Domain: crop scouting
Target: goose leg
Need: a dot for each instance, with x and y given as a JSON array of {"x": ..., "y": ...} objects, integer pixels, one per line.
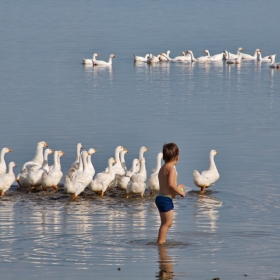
[
  {"x": 30, "y": 188},
  {"x": 74, "y": 197},
  {"x": 2, "y": 193},
  {"x": 102, "y": 193},
  {"x": 20, "y": 186},
  {"x": 151, "y": 193},
  {"x": 142, "y": 195},
  {"x": 202, "y": 189},
  {"x": 127, "y": 195},
  {"x": 55, "y": 188}
]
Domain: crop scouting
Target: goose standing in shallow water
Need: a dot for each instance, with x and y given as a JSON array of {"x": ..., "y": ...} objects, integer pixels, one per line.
[
  {"x": 52, "y": 178},
  {"x": 142, "y": 150},
  {"x": 36, "y": 161},
  {"x": 274, "y": 64},
  {"x": 80, "y": 179},
  {"x": 153, "y": 184},
  {"x": 122, "y": 181},
  {"x": 89, "y": 61},
  {"x": 104, "y": 63},
  {"x": 7, "y": 179},
  {"x": 35, "y": 175},
  {"x": 102, "y": 180},
  {"x": 3, "y": 167},
  {"x": 91, "y": 151},
  {"x": 209, "y": 177},
  {"x": 75, "y": 164},
  {"x": 137, "y": 184}
]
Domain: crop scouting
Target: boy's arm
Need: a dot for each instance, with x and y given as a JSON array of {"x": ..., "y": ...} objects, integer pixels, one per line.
[{"x": 172, "y": 182}]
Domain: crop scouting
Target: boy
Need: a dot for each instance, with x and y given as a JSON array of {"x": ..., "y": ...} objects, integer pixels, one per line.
[{"x": 167, "y": 189}]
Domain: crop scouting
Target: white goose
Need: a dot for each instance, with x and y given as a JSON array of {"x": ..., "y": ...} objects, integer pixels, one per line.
[
  {"x": 122, "y": 181},
  {"x": 153, "y": 184},
  {"x": 191, "y": 54},
  {"x": 34, "y": 175},
  {"x": 3, "y": 167},
  {"x": 153, "y": 59},
  {"x": 91, "y": 151},
  {"x": 181, "y": 58},
  {"x": 60, "y": 154},
  {"x": 137, "y": 182},
  {"x": 80, "y": 179},
  {"x": 216, "y": 57},
  {"x": 164, "y": 56},
  {"x": 232, "y": 55},
  {"x": 89, "y": 61},
  {"x": 142, "y": 150},
  {"x": 209, "y": 177},
  {"x": 104, "y": 63},
  {"x": 205, "y": 58},
  {"x": 7, "y": 179},
  {"x": 52, "y": 178},
  {"x": 75, "y": 164},
  {"x": 274, "y": 64},
  {"x": 250, "y": 57},
  {"x": 265, "y": 58},
  {"x": 117, "y": 167},
  {"x": 235, "y": 60},
  {"x": 102, "y": 180},
  {"x": 36, "y": 161},
  {"x": 140, "y": 58}
]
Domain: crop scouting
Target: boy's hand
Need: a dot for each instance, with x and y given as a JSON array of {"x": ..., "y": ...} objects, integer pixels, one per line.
[{"x": 182, "y": 193}]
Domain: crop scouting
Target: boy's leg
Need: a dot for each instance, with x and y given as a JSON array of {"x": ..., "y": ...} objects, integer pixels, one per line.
[{"x": 166, "y": 223}]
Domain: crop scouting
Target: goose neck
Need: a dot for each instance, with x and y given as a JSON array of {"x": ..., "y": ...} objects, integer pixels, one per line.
[
  {"x": 110, "y": 168},
  {"x": 158, "y": 164},
  {"x": 55, "y": 160},
  {"x": 89, "y": 161},
  {"x": 38, "y": 158},
  {"x": 77, "y": 154},
  {"x": 117, "y": 156},
  {"x": 10, "y": 170},
  {"x": 212, "y": 164},
  {"x": 2, "y": 160},
  {"x": 84, "y": 159}
]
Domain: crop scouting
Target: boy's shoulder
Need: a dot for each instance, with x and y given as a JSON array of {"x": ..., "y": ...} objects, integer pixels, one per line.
[{"x": 167, "y": 167}]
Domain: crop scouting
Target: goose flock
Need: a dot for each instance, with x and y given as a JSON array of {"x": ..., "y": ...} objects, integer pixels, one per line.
[
  {"x": 38, "y": 175},
  {"x": 188, "y": 56}
]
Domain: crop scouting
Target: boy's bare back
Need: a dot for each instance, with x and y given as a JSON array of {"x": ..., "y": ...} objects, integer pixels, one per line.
[{"x": 168, "y": 179}]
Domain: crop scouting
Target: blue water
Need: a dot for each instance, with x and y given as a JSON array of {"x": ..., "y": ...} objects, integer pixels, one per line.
[{"x": 47, "y": 94}]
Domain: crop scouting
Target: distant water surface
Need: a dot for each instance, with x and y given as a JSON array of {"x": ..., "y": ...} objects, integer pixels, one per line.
[{"x": 47, "y": 94}]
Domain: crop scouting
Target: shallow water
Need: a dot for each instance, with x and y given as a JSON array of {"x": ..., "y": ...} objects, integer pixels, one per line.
[{"x": 47, "y": 94}]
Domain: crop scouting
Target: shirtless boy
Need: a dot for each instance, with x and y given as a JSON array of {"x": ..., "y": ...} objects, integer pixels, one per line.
[{"x": 167, "y": 189}]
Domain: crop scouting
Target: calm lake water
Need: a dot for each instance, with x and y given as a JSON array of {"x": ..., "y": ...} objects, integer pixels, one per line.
[{"x": 47, "y": 94}]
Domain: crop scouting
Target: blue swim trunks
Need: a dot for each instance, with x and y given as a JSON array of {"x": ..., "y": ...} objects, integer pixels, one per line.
[{"x": 164, "y": 203}]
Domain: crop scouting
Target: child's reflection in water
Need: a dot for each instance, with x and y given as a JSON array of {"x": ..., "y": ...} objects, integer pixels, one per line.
[{"x": 165, "y": 264}]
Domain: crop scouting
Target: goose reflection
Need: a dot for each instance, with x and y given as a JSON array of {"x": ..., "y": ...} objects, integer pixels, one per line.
[
  {"x": 207, "y": 214},
  {"x": 165, "y": 264},
  {"x": 103, "y": 70}
]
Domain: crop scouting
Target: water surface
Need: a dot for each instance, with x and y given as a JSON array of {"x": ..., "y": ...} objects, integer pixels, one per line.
[{"x": 47, "y": 94}]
